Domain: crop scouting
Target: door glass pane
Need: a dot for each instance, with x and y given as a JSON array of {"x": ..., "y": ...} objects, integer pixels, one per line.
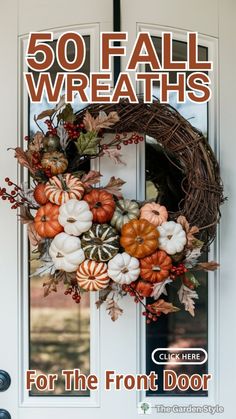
[
  {"x": 178, "y": 330},
  {"x": 59, "y": 328}
]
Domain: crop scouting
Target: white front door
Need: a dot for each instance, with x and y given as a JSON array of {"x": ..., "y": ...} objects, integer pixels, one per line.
[{"x": 42, "y": 333}]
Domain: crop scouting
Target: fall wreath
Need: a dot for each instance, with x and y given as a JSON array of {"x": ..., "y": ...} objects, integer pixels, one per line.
[{"x": 89, "y": 235}]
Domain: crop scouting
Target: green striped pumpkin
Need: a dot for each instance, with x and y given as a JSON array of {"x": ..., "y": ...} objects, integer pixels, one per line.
[{"x": 100, "y": 243}]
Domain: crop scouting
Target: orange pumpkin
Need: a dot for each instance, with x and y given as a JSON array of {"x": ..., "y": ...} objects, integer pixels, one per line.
[
  {"x": 59, "y": 189},
  {"x": 155, "y": 268},
  {"x": 156, "y": 214},
  {"x": 39, "y": 194},
  {"x": 139, "y": 238},
  {"x": 46, "y": 221},
  {"x": 55, "y": 161},
  {"x": 101, "y": 204},
  {"x": 143, "y": 288}
]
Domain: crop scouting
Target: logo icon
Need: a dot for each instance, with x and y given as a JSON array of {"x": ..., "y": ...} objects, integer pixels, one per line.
[{"x": 144, "y": 408}]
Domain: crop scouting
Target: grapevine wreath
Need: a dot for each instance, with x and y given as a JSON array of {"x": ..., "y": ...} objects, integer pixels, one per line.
[{"x": 93, "y": 238}]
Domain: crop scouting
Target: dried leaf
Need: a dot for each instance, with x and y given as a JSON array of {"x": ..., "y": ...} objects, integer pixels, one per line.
[
  {"x": 208, "y": 266},
  {"x": 37, "y": 142},
  {"x": 103, "y": 297},
  {"x": 113, "y": 309},
  {"x": 45, "y": 114},
  {"x": 91, "y": 178},
  {"x": 186, "y": 297},
  {"x": 89, "y": 122},
  {"x": 114, "y": 186},
  {"x": 192, "y": 257},
  {"x": 87, "y": 143},
  {"x": 34, "y": 237},
  {"x": 61, "y": 103},
  {"x": 115, "y": 155},
  {"x": 162, "y": 306},
  {"x": 45, "y": 269},
  {"x": 184, "y": 223},
  {"x": 24, "y": 159},
  {"x": 63, "y": 135},
  {"x": 50, "y": 285},
  {"x": 67, "y": 114},
  {"x": 102, "y": 121},
  {"x": 106, "y": 121},
  {"x": 160, "y": 288},
  {"x": 25, "y": 216},
  {"x": 190, "y": 231}
]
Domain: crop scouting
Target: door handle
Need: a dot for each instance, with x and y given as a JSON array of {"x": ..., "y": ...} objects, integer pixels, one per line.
[
  {"x": 4, "y": 414},
  {"x": 5, "y": 381}
]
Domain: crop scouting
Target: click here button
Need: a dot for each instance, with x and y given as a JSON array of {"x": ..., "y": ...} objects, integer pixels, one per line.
[{"x": 192, "y": 356}]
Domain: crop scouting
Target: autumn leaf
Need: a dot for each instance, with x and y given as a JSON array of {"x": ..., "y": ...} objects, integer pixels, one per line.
[
  {"x": 102, "y": 121},
  {"x": 186, "y": 297},
  {"x": 190, "y": 231},
  {"x": 160, "y": 288},
  {"x": 50, "y": 285},
  {"x": 87, "y": 143},
  {"x": 33, "y": 236},
  {"x": 67, "y": 114},
  {"x": 45, "y": 269},
  {"x": 25, "y": 216},
  {"x": 44, "y": 114},
  {"x": 103, "y": 296},
  {"x": 114, "y": 186},
  {"x": 115, "y": 155},
  {"x": 106, "y": 121},
  {"x": 113, "y": 309},
  {"x": 36, "y": 144},
  {"x": 208, "y": 266},
  {"x": 162, "y": 306},
  {"x": 91, "y": 178},
  {"x": 24, "y": 159}
]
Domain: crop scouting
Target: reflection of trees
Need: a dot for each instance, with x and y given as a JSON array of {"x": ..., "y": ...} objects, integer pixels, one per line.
[{"x": 60, "y": 337}]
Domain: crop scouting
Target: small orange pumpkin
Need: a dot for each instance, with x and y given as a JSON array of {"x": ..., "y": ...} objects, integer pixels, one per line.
[
  {"x": 46, "y": 221},
  {"x": 139, "y": 238},
  {"x": 156, "y": 214},
  {"x": 55, "y": 161},
  {"x": 59, "y": 189},
  {"x": 155, "y": 268},
  {"x": 101, "y": 204},
  {"x": 39, "y": 194},
  {"x": 143, "y": 288}
]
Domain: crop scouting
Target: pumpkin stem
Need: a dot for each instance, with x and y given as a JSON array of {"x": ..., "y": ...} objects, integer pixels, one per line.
[
  {"x": 156, "y": 268},
  {"x": 98, "y": 204},
  {"x": 156, "y": 212},
  {"x": 139, "y": 239},
  {"x": 124, "y": 270},
  {"x": 59, "y": 255},
  {"x": 71, "y": 220},
  {"x": 63, "y": 183},
  {"x": 170, "y": 236},
  {"x": 43, "y": 218}
]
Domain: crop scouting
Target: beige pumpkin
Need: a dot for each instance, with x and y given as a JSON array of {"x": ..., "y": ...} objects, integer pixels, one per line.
[{"x": 156, "y": 214}]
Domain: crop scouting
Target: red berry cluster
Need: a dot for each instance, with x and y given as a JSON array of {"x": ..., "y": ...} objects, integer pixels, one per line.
[
  {"x": 150, "y": 315},
  {"x": 133, "y": 139},
  {"x": 178, "y": 270},
  {"x": 73, "y": 130},
  {"x": 51, "y": 129},
  {"x": 14, "y": 196},
  {"x": 74, "y": 292}
]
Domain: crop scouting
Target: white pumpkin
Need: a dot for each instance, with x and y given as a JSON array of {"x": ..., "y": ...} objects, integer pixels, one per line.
[
  {"x": 75, "y": 216},
  {"x": 172, "y": 237},
  {"x": 66, "y": 252},
  {"x": 123, "y": 268}
]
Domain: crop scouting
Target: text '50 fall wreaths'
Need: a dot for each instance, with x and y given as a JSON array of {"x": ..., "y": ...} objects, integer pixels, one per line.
[{"x": 94, "y": 239}]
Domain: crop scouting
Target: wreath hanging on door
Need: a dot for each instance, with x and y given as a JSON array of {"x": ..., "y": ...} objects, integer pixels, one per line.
[{"x": 93, "y": 238}]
